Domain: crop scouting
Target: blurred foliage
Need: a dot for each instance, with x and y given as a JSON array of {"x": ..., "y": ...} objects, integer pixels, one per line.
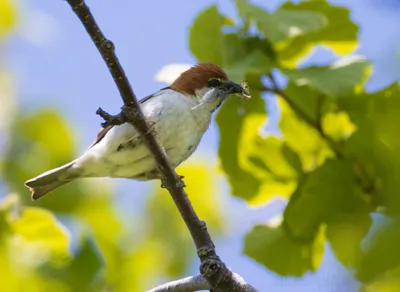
[
  {"x": 76, "y": 239},
  {"x": 337, "y": 158},
  {"x": 336, "y": 161},
  {"x": 8, "y": 17}
]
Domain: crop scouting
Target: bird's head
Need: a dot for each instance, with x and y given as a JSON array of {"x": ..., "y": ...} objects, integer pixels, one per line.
[{"x": 204, "y": 78}]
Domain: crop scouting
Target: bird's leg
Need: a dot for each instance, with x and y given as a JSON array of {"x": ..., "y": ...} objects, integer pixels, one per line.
[{"x": 110, "y": 120}]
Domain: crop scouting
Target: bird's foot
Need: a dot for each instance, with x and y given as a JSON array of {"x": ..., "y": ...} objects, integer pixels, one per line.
[{"x": 110, "y": 120}]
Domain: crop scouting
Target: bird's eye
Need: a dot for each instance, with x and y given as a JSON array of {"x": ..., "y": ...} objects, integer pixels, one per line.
[{"x": 214, "y": 83}]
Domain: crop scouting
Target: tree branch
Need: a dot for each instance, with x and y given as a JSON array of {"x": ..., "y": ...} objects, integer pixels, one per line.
[
  {"x": 221, "y": 279},
  {"x": 189, "y": 284},
  {"x": 198, "y": 283}
]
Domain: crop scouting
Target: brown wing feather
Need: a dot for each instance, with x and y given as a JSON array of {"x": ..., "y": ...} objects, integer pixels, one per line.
[{"x": 103, "y": 131}]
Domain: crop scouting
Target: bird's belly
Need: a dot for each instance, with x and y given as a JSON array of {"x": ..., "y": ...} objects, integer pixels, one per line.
[{"x": 177, "y": 128}]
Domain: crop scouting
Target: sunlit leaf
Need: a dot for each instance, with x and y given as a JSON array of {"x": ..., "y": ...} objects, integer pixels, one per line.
[
  {"x": 338, "y": 126},
  {"x": 303, "y": 138},
  {"x": 205, "y": 37},
  {"x": 276, "y": 249},
  {"x": 39, "y": 228},
  {"x": 8, "y": 17},
  {"x": 339, "y": 34},
  {"x": 283, "y": 23},
  {"x": 338, "y": 79},
  {"x": 267, "y": 159},
  {"x": 231, "y": 119}
]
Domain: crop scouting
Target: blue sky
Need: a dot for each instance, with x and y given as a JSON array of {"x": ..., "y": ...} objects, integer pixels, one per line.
[{"x": 56, "y": 64}]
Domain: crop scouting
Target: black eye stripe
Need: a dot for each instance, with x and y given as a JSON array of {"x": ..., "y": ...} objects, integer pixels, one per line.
[{"x": 214, "y": 83}]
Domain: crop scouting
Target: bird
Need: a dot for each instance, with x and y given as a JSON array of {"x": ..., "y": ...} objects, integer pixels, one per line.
[{"x": 179, "y": 115}]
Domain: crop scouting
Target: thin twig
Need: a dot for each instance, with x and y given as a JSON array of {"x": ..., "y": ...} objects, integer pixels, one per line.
[
  {"x": 189, "y": 284},
  {"x": 221, "y": 279},
  {"x": 361, "y": 173}
]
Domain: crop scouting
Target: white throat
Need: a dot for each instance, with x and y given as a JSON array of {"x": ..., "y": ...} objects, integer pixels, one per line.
[{"x": 202, "y": 94}]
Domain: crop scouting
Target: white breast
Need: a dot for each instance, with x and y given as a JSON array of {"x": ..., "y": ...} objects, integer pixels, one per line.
[{"x": 178, "y": 127}]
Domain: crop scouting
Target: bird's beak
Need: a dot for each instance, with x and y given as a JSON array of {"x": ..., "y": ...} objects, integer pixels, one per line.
[{"x": 231, "y": 87}]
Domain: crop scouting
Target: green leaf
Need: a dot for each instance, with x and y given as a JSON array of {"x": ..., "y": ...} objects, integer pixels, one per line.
[
  {"x": 338, "y": 126},
  {"x": 339, "y": 33},
  {"x": 39, "y": 142},
  {"x": 80, "y": 274},
  {"x": 205, "y": 37},
  {"x": 283, "y": 23},
  {"x": 387, "y": 282},
  {"x": 321, "y": 194},
  {"x": 306, "y": 98},
  {"x": 301, "y": 137},
  {"x": 345, "y": 232},
  {"x": 35, "y": 146},
  {"x": 376, "y": 143},
  {"x": 340, "y": 78},
  {"x": 281, "y": 253},
  {"x": 231, "y": 120},
  {"x": 266, "y": 158},
  {"x": 381, "y": 252},
  {"x": 39, "y": 227},
  {"x": 98, "y": 203},
  {"x": 243, "y": 56},
  {"x": 8, "y": 17}
]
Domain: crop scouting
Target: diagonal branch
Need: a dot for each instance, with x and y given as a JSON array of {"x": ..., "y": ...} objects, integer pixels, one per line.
[
  {"x": 221, "y": 279},
  {"x": 189, "y": 284}
]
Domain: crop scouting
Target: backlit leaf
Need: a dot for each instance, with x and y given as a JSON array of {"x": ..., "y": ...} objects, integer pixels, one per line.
[
  {"x": 39, "y": 228},
  {"x": 281, "y": 253},
  {"x": 313, "y": 203},
  {"x": 231, "y": 119},
  {"x": 339, "y": 33},
  {"x": 283, "y": 23},
  {"x": 381, "y": 253},
  {"x": 303, "y": 138},
  {"x": 205, "y": 37},
  {"x": 338, "y": 79}
]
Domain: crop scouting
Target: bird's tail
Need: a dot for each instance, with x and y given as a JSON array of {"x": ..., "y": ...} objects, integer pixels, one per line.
[{"x": 48, "y": 181}]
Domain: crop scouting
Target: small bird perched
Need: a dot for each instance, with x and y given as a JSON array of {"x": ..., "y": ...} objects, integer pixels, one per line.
[{"x": 179, "y": 114}]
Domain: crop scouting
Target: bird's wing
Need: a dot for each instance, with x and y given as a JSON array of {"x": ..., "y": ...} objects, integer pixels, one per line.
[{"x": 103, "y": 131}]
